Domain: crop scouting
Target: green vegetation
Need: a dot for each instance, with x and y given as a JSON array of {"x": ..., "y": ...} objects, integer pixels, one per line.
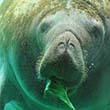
[{"x": 57, "y": 89}]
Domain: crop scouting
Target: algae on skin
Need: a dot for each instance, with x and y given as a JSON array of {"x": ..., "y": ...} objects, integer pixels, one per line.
[{"x": 55, "y": 88}]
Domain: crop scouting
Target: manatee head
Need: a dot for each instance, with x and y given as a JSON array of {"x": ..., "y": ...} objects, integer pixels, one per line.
[{"x": 67, "y": 40}]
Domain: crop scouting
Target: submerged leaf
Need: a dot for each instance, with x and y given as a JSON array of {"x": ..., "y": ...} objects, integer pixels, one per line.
[{"x": 55, "y": 88}]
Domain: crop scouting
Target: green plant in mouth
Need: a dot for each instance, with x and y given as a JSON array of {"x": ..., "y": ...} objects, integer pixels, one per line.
[{"x": 57, "y": 89}]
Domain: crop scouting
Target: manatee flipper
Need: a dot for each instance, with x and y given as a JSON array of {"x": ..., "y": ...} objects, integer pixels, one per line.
[{"x": 13, "y": 105}]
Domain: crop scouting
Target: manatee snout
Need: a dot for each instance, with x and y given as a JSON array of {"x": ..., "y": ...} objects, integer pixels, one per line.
[
  {"x": 65, "y": 43},
  {"x": 63, "y": 60}
]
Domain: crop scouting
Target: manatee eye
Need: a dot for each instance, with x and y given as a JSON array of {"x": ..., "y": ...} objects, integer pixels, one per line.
[
  {"x": 44, "y": 27},
  {"x": 97, "y": 31}
]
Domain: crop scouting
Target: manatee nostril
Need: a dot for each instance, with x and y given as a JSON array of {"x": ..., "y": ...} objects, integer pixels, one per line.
[
  {"x": 61, "y": 45},
  {"x": 71, "y": 45}
]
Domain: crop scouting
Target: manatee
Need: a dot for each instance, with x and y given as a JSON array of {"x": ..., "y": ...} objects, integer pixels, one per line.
[{"x": 54, "y": 55}]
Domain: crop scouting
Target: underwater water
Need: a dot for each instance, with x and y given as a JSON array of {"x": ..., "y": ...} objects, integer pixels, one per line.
[{"x": 1, "y": 1}]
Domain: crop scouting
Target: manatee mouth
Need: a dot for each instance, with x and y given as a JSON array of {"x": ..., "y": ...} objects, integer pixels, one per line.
[
  {"x": 67, "y": 84},
  {"x": 62, "y": 70}
]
